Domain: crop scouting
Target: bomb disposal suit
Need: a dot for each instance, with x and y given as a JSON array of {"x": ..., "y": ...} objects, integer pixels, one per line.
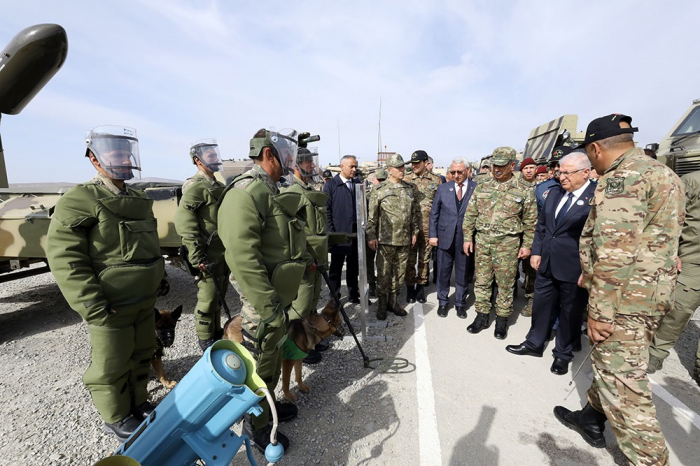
[
  {"x": 196, "y": 223},
  {"x": 103, "y": 250},
  {"x": 266, "y": 252}
]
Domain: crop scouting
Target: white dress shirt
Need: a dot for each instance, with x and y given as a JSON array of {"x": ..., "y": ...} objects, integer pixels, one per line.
[{"x": 576, "y": 194}]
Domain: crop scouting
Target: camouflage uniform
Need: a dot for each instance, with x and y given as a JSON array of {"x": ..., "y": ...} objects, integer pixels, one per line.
[
  {"x": 687, "y": 298},
  {"x": 195, "y": 222},
  {"x": 530, "y": 274},
  {"x": 503, "y": 215},
  {"x": 425, "y": 189},
  {"x": 392, "y": 219},
  {"x": 628, "y": 253}
]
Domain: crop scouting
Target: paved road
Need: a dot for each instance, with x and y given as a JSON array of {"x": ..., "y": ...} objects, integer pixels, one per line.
[{"x": 491, "y": 407}]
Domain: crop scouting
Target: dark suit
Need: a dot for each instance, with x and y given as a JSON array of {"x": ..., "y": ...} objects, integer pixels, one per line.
[
  {"x": 556, "y": 289},
  {"x": 341, "y": 211},
  {"x": 446, "y": 217}
]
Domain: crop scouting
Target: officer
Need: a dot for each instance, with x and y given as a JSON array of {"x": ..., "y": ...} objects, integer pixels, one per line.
[
  {"x": 426, "y": 184},
  {"x": 687, "y": 298},
  {"x": 104, "y": 253},
  {"x": 628, "y": 251},
  {"x": 502, "y": 212},
  {"x": 484, "y": 170},
  {"x": 379, "y": 177},
  {"x": 195, "y": 222},
  {"x": 266, "y": 252},
  {"x": 528, "y": 169},
  {"x": 313, "y": 213},
  {"x": 327, "y": 176},
  {"x": 392, "y": 228}
]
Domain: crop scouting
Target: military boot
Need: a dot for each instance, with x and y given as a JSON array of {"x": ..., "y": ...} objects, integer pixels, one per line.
[
  {"x": 381, "y": 307},
  {"x": 527, "y": 310},
  {"x": 589, "y": 423},
  {"x": 395, "y": 307},
  {"x": 501, "y": 330},
  {"x": 410, "y": 293},
  {"x": 143, "y": 410},
  {"x": 420, "y": 294},
  {"x": 480, "y": 323},
  {"x": 261, "y": 438},
  {"x": 124, "y": 428},
  {"x": 655, "y": 364}
]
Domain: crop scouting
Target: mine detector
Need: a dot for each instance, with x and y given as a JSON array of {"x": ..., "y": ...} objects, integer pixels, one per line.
[
  {"x": 27, "y": 63},
  {"x": 680, "y": 148},
  {"x": 543, "y": 139}
]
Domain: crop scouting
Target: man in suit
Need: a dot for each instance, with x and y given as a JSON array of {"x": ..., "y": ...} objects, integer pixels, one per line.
[
  {"x": 341, "y": 210},
  {"x": 446, "y": 235},
  {"x": 555, "y": 256}
]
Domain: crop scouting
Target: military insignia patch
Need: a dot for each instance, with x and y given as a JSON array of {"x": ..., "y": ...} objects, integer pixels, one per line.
[
  {"x": 615, "y": 185},
  {"x": 545, "y": 194}
]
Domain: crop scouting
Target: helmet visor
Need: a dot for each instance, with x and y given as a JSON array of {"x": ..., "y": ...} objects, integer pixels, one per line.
[
  {"x": 285, "y": 143},
  {"x": 308, "y": 164},
  {"x": 207, "y": 151},
  {"x": 116, "y": 148}
]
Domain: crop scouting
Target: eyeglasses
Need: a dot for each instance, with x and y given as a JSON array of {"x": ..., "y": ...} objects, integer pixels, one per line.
[
  {"x": 456, "y": 172},
  {"x": 561, "y": 173}
]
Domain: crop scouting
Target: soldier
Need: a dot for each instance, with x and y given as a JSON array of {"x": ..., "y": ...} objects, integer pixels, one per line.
[
  {"x": 426, "y": 184},
  {"x": 327, "y": 176},
  {"x": 628, "y": 251},
  {"x": 541, "y": 173},
  {"x": 379, "y": 177},
  {"x": 104, "y": 253},
  {"x": 528, "y": 169},
  {"x": 266, "y": 252},
  {"x": 502, "y": 212},
  {"x": 392, "y": 228},
  {"x": 313, "y": 213},
  {"x": 542, "y": 189},
  {"x": 687, "y": 298},
  {"x": 195, "y": 222}
]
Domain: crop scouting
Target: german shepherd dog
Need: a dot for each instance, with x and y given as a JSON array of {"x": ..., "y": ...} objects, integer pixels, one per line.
[
  {"x": 305, "y": 333},
  {"x": 165, "y": 336}
]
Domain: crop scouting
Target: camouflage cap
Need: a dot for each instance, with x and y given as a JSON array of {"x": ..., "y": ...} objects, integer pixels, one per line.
[
  {"x": 502, "y": 156},
  {"x": 395, "y": 161},
  {"x": 381, "y": 174}
]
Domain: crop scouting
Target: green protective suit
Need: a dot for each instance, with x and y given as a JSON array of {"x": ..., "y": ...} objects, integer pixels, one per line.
[
  {"x": 266, "y": 252},
  {"x": 103, "y": 250},
  {"x": 195, "y": 222},
  {"x": 313, "y": 213}
]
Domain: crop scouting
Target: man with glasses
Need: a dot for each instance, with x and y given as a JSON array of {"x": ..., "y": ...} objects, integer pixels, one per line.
[
  {"x": 426, "y": 184},
  {"x": 392, "y": 227},
  {"x": 555, "y": 257},
  {"x": 447, "y": 237},
  {"x": 628, "y": 252},
  {"x": 502, "y": 215}
]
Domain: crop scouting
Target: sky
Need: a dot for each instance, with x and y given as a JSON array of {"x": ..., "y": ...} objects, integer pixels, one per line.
[{"x": 456, "y": 78}]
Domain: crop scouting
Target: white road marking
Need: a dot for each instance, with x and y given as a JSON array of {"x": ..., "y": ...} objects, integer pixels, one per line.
[
  {"x": 675, "y": 403},
  {"x": 428, "y": 436}
]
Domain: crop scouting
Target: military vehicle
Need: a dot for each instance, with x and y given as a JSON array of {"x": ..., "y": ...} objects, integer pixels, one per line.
[
  {"x": 680, "y": 148},
  {"x": 543, "y": 139}
]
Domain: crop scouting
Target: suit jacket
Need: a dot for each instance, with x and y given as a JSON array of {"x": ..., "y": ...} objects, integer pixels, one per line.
[
  {"x": 558, "y": 245},
  {"x": 445, "y": 220},
  {"x": 341, "y": 211}
]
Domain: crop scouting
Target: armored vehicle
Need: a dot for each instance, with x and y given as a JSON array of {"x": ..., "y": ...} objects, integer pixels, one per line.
[
  {"x": 543, "y": 139},
  {"x": 680, "y": 148}
]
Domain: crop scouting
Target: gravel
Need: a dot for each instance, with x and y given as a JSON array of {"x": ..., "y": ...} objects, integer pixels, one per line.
[{"x": 47, "y": 416}]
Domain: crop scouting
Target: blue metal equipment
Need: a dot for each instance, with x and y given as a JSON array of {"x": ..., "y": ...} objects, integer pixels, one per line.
[{"x": 193, "y": 422}]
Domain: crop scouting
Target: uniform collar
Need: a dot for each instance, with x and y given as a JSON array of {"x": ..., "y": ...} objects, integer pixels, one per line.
[
  {"x": 100, "y": 179},
  {"x": 258, "y": 171},
  {"x": 616, "y": 163}
]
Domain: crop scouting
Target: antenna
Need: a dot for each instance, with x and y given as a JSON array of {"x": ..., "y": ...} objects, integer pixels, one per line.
[
  {"x": 339, "y": 139},
  {"x": 379, "y": 135}
]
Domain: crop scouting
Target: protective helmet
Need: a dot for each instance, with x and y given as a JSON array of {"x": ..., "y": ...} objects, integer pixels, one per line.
[
  {"x": 207, "y": 151},
  {"x": 307, "y": 163},
  {"x": 116, "y": 148},
  {"x": 283, "y": 144}
]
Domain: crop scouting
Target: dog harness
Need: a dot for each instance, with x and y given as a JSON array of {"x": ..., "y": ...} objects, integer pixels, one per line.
[{"x": 291, "y": 351}]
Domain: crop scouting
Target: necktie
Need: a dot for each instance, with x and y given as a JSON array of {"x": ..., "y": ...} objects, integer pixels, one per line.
[
  {"x": 350, "y": 187},
  {"x": 459, "y": 192},
  {"x": 564, "y": 209}
]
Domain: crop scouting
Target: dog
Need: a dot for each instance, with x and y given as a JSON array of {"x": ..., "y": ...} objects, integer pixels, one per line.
[
  {"x": 165, "y": 336},
  {"x": 306, "y": 333}
]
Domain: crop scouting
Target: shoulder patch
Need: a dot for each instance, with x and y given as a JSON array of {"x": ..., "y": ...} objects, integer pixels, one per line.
[
  {"x": 545, "y": 194},
  {"x": 615, "y": 185}
]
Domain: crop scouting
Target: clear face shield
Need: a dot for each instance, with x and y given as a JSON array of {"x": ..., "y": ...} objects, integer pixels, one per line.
[
  {"x": 116, "y": 148},
  {"x": 308, "y": 164},
  {"x": 207, "y": 151},
  {"x": 285, "y": 142}
]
